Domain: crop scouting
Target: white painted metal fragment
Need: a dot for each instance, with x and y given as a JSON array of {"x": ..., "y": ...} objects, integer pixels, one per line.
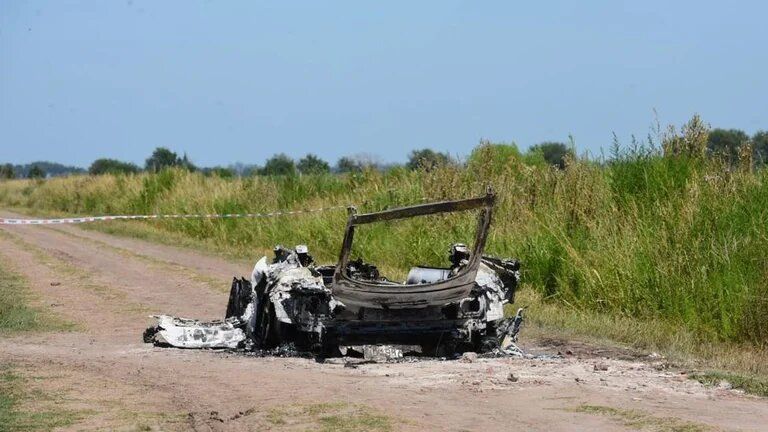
[{"x": 188, "y": 333}]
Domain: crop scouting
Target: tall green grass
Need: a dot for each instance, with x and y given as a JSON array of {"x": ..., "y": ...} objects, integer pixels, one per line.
[{"x": 682, "y": 240}]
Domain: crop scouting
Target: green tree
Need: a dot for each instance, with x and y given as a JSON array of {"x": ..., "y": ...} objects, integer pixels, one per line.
[
  {"x": 185, "y": 163},
  {"x": 311, "y": 164},
  {"x": 279, "y": 164},
  {"x": 554, "y": 153},
  {"x": 112, "y": 166},
  {"x": 427, "y": 159},
  {"x": 490, "y": 159},
  {"x": 7, "y": 172},
  {"x": 220, "y": 172},
  {"x": 347, "y": 164},
  {"x": 162, "y": 158},
  {"x": 250, "y": 170},
  {"x": 36, "y": 172},
  {"x": 726, "y": 142},
  {"x": 358, "y": 162},
  {"x": 760, "y": 147}
]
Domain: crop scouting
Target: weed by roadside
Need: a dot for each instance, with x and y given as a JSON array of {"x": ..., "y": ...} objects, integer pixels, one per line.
[
  {"x": 16, "y": 314},
  {"x": 25, "y": 410},
  {"x": 742, "y": 365},
  {"x": 748, "y": 383},
  {"x": 327, "y": 417},
  {"x": 639, "y": 420}
]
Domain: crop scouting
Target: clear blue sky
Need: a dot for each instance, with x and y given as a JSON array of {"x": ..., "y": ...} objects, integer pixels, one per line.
[{"x": 239, "y": 81}]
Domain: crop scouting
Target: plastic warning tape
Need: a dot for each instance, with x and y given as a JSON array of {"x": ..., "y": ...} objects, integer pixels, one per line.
[{"x": 77, "y": 220}]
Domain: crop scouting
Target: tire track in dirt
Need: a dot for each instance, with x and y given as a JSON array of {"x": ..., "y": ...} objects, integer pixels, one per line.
[
  {"x": 65, "y": 289},
  {"x": 212, "y": 267},
  {"x": 79, "y": 365},
  {"x": 126, "y": 383},
  {"x": 137, "y": 281}
]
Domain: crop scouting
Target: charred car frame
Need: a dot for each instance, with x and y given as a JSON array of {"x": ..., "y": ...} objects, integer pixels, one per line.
[{"x": 327, "y": 309}]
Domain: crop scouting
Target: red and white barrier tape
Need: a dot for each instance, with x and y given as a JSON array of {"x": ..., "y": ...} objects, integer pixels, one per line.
[{"x": 6, "y": 221}]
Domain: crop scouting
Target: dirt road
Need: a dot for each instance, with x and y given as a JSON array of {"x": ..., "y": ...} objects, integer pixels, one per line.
[{"x": 109, "y": 286}]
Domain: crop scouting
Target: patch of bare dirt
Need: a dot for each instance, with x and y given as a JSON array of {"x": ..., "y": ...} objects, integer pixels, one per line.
[{"x": 110, "y": 285}]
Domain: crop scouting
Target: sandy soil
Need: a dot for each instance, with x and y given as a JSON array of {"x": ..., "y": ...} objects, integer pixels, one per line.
[{"x": 110, "y": 285}]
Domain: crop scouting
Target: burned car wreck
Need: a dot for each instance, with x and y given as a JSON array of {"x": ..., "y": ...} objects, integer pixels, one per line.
[{"x": 330, "y": 309}]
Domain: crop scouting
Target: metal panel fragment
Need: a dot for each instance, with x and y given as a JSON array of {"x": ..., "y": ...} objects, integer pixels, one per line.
[{"x": 189, "y": 333}]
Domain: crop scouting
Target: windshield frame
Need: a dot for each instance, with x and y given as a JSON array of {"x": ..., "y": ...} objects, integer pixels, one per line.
[{"x": 484, "y": 204}]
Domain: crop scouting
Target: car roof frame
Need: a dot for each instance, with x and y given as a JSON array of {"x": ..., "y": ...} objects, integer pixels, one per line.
[{"x": 373, "y": 294}]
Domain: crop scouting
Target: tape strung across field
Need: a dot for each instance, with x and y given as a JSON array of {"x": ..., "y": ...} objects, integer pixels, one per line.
[{"x": 6, "y": 221}]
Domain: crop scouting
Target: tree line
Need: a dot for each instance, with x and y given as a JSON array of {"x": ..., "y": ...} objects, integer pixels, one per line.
[
  {"x": 38, "y": 169},
  {"x": 278, "y": 165},
  {"x": 728, "y": 143}
]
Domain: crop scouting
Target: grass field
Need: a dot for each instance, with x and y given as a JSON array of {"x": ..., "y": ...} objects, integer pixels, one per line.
[{"x": 675, "y": 243}]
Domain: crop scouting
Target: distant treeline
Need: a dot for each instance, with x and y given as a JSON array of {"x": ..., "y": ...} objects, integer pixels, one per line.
[
  {"x": 730, "y": 144},
  {"x": 37, "y": 170},
  {"x": 277, "y": 165}
]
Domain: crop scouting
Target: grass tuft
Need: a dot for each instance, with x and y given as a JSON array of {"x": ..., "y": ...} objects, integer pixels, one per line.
[
  {"x": 16, "y": 315},
  {"x": 328, "y": 417},
  {"x": 641, "y": 421},
  {"x": 18, "y": 411},
  {"x": 749, "y": 384}
]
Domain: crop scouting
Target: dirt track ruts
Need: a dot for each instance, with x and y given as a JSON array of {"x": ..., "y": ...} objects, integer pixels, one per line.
[{"x": 109, "y": 286}]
